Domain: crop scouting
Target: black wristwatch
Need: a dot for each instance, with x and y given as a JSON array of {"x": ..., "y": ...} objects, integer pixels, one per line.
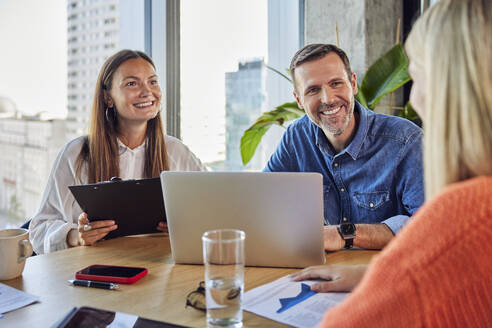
[{"x": 347, "y": 231}]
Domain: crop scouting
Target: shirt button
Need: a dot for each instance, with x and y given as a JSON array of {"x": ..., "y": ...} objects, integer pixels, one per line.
[
  {"x": 371, "y": 205},
  {"x": 342, "y": 189},
  {"x": 336, "y": 164}
]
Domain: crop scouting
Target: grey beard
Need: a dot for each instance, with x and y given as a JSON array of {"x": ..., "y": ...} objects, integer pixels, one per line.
[{"x": 338, "y": 131}]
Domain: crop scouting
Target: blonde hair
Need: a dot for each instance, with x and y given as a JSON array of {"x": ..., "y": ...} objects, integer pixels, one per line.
[
  {"x": 452, "y": 43},
  {"x": 100, "y": 149}
]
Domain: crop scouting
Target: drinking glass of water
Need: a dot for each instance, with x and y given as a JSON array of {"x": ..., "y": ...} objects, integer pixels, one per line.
[{"x": 223, "y": 256}]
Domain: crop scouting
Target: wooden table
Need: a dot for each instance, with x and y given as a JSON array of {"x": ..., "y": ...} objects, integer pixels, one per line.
[{"x": 161, "y": 295}]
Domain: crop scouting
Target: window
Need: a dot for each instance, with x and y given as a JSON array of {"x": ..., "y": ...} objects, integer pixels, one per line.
[
  {"x": 224, "y": 79},
  {"x": 218, "y": 43}
]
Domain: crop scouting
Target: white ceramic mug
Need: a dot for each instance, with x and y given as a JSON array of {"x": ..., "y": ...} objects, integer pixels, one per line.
[{"x": 15, "y": 248}]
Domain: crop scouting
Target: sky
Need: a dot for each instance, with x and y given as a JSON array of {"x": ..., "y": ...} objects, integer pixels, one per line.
[{"x": 33, "y": 56}]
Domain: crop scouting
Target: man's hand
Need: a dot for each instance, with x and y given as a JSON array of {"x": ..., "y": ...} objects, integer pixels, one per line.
[
  {"x": 332, "y": 239},
  {"x": 340, "y": 278},
  {"x": 91, "y": 232}
]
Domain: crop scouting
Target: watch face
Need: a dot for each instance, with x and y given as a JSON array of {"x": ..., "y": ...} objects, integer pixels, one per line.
[{"x": 347, "y": 228}]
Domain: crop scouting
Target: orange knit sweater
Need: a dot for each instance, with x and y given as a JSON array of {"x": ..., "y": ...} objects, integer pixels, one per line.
[{"x": 436, "y": 273}]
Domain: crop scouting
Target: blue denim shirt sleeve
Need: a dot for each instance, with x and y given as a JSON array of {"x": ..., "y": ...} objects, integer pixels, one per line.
[
  {"x": 283, "y": 159},
  {"x": 411, "y": 184},
  {"x": 395, "y": 223}
]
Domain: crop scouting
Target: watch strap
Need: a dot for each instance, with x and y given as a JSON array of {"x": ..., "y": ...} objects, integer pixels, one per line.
[
  {"x": 349, "y": 243},
  {"x": 349, "y": 239}
]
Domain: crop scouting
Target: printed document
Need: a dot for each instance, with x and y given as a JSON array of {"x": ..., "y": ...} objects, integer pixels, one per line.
[
  {"x": 13, "y": 299},
  {"x": 291, "y": 302}
]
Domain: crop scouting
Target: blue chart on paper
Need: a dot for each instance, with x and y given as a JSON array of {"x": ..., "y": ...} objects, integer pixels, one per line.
[{"x": 289, "y": 302}]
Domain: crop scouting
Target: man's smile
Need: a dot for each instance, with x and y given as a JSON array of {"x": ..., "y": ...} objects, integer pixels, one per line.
[
  {"x": 333, "y": 111},
  {"x": 330, "y": 110}
]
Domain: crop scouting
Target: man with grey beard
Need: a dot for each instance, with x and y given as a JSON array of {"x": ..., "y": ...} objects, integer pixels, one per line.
[{"x": 371, "y": 163}]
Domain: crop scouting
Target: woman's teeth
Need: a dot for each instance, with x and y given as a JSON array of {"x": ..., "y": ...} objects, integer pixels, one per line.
[{"x": 141, "y": 105}]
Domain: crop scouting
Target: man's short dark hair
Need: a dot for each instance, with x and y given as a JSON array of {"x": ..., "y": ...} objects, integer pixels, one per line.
[{"x": 316, "y": 51}]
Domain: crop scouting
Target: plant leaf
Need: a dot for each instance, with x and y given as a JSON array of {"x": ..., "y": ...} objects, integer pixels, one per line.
[
  {"x": 386, "y": 75},
  {"x": 253, "y": 135},
  {"x": 293, "y": 108},
  {"x": 360, "y": 97},
  {"x": 279, "y": 73},
  {"x": 408, "y": 112}
]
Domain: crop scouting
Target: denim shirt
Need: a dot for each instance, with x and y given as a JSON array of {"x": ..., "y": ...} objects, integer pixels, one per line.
[{"x": 377, "y": 178}]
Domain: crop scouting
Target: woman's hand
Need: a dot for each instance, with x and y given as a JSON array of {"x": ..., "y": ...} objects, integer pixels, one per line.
[
  {"x": 91, "y": 232},
  {"x": 162, "y": 226},
  {"x": 339, "y": 278}
]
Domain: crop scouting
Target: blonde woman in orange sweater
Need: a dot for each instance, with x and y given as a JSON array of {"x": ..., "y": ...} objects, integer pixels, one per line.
[{"x": 438, "y": 271}]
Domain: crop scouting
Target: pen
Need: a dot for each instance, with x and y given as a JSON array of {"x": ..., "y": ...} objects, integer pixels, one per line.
[{"x": 95, "y": 284}]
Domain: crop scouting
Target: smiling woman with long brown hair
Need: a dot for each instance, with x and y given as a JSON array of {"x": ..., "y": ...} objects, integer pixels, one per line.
[{"x": 125, "y": 140}]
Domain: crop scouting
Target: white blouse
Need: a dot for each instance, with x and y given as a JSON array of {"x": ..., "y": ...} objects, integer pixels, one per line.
[{"x": 59, "y": 211}]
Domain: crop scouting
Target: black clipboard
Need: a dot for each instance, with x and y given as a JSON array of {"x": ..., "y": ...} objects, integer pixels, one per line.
[{"x": 137, "y": 206}]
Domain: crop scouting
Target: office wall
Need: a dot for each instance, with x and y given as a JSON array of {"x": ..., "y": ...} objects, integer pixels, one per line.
[{"x": 366, "y": 28}]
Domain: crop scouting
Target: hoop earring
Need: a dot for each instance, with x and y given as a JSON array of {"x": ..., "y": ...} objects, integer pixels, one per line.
[{"x": 110, "y": 116}]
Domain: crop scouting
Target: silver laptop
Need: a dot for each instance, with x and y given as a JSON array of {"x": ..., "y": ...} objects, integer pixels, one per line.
[{"x": 281, "y": 214}]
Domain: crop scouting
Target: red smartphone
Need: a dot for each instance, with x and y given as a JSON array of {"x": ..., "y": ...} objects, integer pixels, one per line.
[{"x": 111, "y": 273}]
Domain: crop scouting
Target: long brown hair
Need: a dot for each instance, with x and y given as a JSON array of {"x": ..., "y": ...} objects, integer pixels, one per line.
[{"x": 100, "y": 149}]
